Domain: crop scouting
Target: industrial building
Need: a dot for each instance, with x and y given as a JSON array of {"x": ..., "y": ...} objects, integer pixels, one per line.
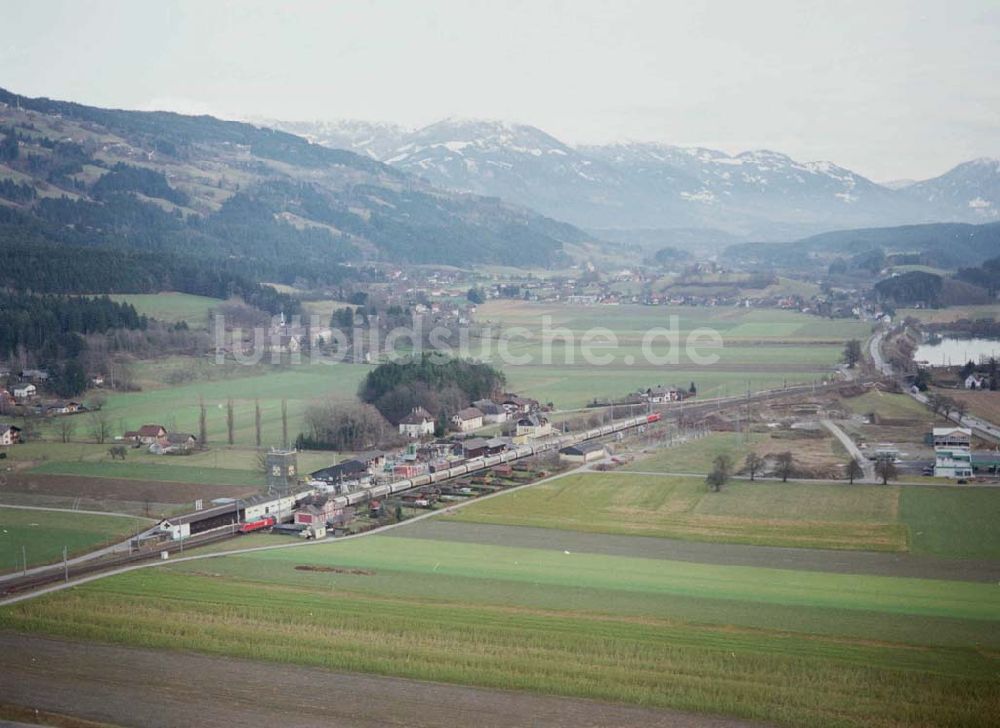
[{"x": 952, "y": 452}]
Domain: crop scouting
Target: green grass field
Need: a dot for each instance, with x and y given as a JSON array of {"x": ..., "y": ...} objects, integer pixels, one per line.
[
  {"x": 780, "y": 646},
  {"x": 81, "y": 458},
  {"x": 177, "y": 407},
  {"x": 694, "y": 456},
  {"x": 953, "y": 521},
  {"x": 785, "y": 647},
  {"x": 762, "y": 513},
  {"x": 761, "y": 348},
  {"x": 949, "y": 314},
  {"x": 949, "y": 522},
  {"x": 631, "y": 322},
  {"x": 43, "y": 534},
  {"x": 895, "y": 406},
  {"x": 172, "y": 307},
  {"x": 817, "y": 455}
]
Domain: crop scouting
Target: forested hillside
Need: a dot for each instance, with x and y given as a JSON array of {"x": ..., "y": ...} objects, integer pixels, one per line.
[
  {"x": 227, "y": 192},
  {"x": 945, "y": 245},
  {"x": 51, "y": 269}
]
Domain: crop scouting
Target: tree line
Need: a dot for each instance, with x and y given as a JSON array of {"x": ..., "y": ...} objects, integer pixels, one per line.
[
  {"x": 436, "y": 383},
  {"x": 53, "y": 326},
  {"x": 785, "y": 467},
  {"x": 72, "y": 270}
]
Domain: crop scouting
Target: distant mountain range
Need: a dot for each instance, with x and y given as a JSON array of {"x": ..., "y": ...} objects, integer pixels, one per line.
[
  {"x": 199, "y": 186},
  {"x": 271, "y": 205},
  {"x": 757, "y": 195},
  {"x": 943, "y": 245}
]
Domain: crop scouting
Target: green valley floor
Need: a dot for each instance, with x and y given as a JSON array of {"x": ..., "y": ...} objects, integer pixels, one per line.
[{"x": 771, "y": 633}]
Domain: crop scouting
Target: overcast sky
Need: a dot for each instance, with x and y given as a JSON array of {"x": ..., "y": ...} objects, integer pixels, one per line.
[{"x": 890, "y": 88}]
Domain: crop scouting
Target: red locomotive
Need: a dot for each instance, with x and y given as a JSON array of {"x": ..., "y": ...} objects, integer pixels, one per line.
[{"x": 257, "y": 525}]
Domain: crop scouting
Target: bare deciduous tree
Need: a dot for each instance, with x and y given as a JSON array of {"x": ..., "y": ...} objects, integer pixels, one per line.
[
  {"x": 100, "y": 426},
  {"x": 29, "y": 426},
  {"x": 886, "y": 470},
  {"x": 722, "y": 468},
  {"x": 230, "y": 421},
  {"x": 202, "y": 424},
  {"x": 342, "y": 426},
  {"x": 853, "y": 470},
  {"x": 65, "y": 427},
  {"x": 256, "y": 422},
  {"x": 715, "y": 480},
  {"x": 785, "y": 465},
  {"x": 284, "y": 423},
  {"x": 852, "y": 353},
  {"x": 723, "y": 463}
]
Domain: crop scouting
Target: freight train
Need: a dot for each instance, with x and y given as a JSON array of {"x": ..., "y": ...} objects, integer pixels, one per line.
[
  {"x": 264, "y": 511},
  {"x": 489, "y": 461}
]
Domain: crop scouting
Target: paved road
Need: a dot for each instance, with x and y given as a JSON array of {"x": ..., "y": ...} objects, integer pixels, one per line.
[
  {"x": 75, "y": 511},
  {"x": 981, "y": 426},
  {"x": 875, "y": 352},
  {"x": 157, "y": 689},
  {"x": 299, "y": 544},
  {"x": 855, "y": 452}
]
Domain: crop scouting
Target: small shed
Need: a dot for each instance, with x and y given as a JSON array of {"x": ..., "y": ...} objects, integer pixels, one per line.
[
  {"x": 474, "y": 447},
  {"x": 583, "y": 452}
]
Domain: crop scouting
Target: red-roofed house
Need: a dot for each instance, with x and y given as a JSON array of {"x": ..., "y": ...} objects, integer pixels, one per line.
[{"x": 147, "y": 434}]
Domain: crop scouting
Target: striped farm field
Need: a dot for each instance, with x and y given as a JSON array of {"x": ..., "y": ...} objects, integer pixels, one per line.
[
  {"x": 792, "y": 648},
  {"x": 760, "y": 349},
  {"x": 763, "y": 513}
]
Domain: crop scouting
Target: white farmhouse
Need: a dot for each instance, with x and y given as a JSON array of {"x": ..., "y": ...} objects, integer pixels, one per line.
[
  {"x": 470, "y": 418},
  {"x": 417, "y": 424},
  {"x": 24, "y": 392}
]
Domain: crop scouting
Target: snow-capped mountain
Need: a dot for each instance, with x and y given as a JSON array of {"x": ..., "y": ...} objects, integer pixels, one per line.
[
  {"x": 897, "y": 184},
  {"x": 970, "y": 191},
  {"x": 760, "y": 194},
  {"x": 372, "y": 139},
  {"x": 513, "y": 162}
]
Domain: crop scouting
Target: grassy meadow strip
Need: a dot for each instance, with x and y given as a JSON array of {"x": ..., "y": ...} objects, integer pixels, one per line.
[
  {"x": 43, "y": 534},
  {"x": 766, "y": 675},
  {"x": 806, "y": 515}
]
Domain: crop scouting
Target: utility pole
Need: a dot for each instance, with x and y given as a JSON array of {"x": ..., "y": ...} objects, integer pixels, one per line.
[
  {"x": 65, "y": 565},
  {"x": 24, "y": 559}
]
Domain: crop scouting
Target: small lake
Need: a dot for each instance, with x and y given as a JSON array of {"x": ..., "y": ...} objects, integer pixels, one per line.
[{"x": 950, "y": 351}]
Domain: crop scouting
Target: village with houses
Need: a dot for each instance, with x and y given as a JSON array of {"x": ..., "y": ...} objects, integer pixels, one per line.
[
  {"x": 386, "y": 422},
  {"x": 495, "y": 443}
]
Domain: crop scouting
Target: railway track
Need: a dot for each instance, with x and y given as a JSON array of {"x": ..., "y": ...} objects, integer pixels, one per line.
[{"x": 57, "y": 572}]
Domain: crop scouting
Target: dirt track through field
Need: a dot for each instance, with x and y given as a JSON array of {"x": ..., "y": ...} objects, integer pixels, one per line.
[
  {"x": 774, "y": 557},
  {"x": 136, "y": 687}
]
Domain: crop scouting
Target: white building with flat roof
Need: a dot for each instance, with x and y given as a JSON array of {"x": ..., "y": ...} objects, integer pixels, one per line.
[{"x": 952, "y": 452}]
